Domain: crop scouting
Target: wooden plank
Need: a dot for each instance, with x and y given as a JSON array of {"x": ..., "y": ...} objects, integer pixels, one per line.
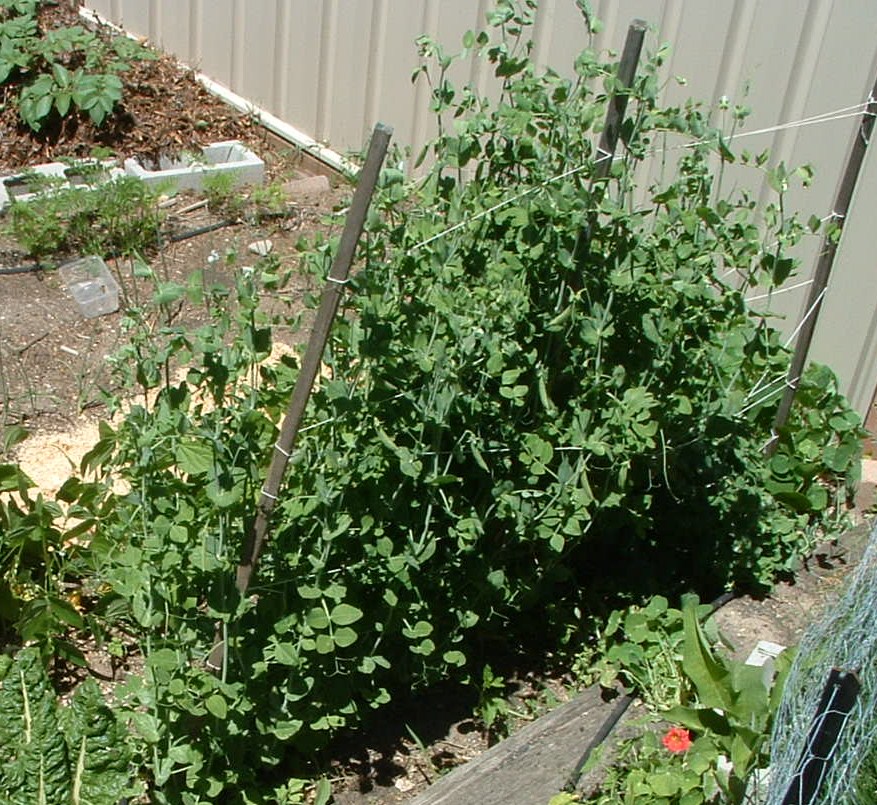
[{"x": 532, "y": 765}]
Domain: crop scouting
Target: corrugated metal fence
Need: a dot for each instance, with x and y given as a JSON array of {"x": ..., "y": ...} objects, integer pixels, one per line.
[{"x": 332, "y": 68}]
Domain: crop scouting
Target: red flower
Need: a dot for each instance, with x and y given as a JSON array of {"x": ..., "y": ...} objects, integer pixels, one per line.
[{"x": 677, "y": 739}]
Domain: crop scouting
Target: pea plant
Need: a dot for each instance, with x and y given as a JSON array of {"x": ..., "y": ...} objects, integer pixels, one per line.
[{"x": 540, "y": 396}]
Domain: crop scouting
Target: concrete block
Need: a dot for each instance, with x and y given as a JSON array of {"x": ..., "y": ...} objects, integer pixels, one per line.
[{"x": 85, "y": 172}]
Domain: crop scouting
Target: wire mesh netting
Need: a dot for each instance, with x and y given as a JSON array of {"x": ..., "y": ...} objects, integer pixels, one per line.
[{"x": 827, "y": 721}]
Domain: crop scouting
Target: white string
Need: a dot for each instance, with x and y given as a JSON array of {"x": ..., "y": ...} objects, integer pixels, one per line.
[
  {"x": 778, "y": 291},
  {"x": 825, "y": 117},
  {"x": 280, "y": 450},
  {"x": 758, "y": 386},
  {"x": 806, "y": 316},
  {"x": 269, "y": 495},
  {"x": 792, "y": 384},
  {"x": 496, "y": 207}
]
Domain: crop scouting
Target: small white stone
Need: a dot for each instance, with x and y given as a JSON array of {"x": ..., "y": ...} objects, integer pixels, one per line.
[
  {"x": 403, "y": 784},
  {"x": 261, "y": 247}
]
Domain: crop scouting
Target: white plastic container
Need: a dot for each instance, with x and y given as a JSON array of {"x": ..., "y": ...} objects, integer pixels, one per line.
[
  {"x": 19, "y": 187},
  {"x": 93, "y": 287},
  {"x": 231, "y": 157}
]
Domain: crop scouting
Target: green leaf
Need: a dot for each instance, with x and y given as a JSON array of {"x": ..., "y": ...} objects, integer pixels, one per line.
[
  {"x": 345, "y": 614},
  {"x": 317, "y": 618},
  {"x": 10, "y": 436},
  {"x": 12, "y": 479},
  {"x": 194, "y": 457},
  {"x": 217, "y": 706},
  {"x": 794, "y": 500},
  {"x": 323, "y": 792},
  {"x": 286, "y": 654},
  {"x": 164, "y": 659},
  {"x": 147, "y": 726},
  {"x": 425, "y": 647},
  {"x": 665, "y": 783},
  {"x": 64, "y": 612},
  {"x": 420, "y": 629},
  {"x": 344, "y": 636},
  {"x": 168, "y": 292},
  {"x": 99, "y": 748},
  {"x": 709, "y": 677},
  {"x": 35, "y": 765}
]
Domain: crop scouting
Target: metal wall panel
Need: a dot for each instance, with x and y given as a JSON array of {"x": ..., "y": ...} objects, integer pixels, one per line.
[{"x": 333, "y": 68}]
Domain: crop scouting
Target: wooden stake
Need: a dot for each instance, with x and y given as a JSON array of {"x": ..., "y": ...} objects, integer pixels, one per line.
[
  {"x": 824, "y": 265},
  {"x": 256, "y": 535},
  {"x": 633, "y": 46}
]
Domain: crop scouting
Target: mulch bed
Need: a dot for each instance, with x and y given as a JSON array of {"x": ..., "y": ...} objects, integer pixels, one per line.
[{"x": 164, "y": 111}]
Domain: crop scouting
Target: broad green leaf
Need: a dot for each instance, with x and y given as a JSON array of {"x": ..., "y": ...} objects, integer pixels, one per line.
[
  {"x": 165, "y": 659},
  {"x": 456, "y": 658},
  {"x": 344, "y": 636},
  {"x": 345, "y": 614},
  {"x": 317, "y": 618},
  {"x": 147, "y": 726},
  {"x": 420, "y": 629},
  {"x": 12, "y": 479},
  {"x": 286, "y": 654},
  {"x": 709, "y": 677},
  {"x": 194, "y": 457},
  {"x": 665, "y": 783},
  {"x": 425, "y": 647},
  {"x": 100, "y": 754},
  {"x": 217, "y": 706},
  {"x": 285, "y": 730},
  {"x": 323, "y": 792},
  {"x": 167, "y": 292}
]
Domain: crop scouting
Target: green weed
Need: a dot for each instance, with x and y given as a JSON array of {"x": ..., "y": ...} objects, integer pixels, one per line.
[{"x": 119, "y": 217}]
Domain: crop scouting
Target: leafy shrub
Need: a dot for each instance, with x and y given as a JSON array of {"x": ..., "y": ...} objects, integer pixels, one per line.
[
  {"x": 641, "y": 647},
  {"x": 726, "y": 711},
  {"x": 37, "y": 558},
  {"x": 63, "y": 71},
  {"x": 540, "y": 395}
]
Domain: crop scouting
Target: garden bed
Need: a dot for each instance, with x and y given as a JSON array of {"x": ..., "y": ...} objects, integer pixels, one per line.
[{"x": 577, "y": 398}]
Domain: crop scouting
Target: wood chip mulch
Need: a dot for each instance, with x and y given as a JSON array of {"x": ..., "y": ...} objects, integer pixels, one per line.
[{"x": 164, "y": 111}]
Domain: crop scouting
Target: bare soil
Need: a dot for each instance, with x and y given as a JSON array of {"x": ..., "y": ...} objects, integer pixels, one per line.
[{"x": 53, "y": 362}]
